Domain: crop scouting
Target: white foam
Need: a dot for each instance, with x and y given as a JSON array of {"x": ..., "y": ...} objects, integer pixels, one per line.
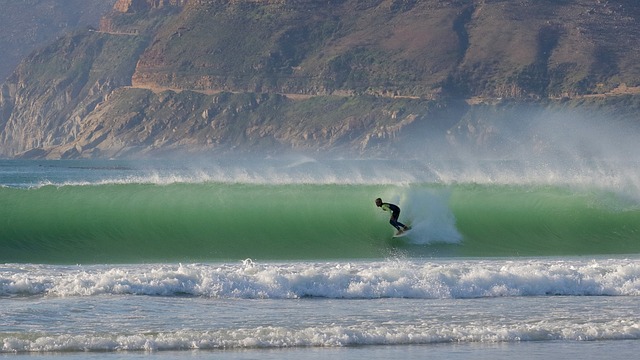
[
  {"x": 239, "y": 175},
  {"x": 430, "y": 215},
  {"x": 328, "y": 336},
  {"x": 356, "y": 280},
  {"x": 362, "y": 280}
]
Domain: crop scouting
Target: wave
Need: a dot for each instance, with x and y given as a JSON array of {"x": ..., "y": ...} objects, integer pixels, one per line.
[
  {"x": 334, "y": 280},
  {"x": 121, "y": 223},
  {"x": 528, "y": 280},
  {"x": 273, "y": 337},
  {"x": 616, "y": 175}
]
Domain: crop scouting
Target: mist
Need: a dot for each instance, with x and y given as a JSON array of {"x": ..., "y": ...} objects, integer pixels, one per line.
[
  {"x": 529, "y": 144},
  {"x": 498, "y": 145}
]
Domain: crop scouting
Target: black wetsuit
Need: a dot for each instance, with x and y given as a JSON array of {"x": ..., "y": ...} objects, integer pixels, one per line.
[{"x": 395, "y": 214}]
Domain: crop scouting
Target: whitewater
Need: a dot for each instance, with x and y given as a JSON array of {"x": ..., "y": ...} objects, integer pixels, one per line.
[{"x": 289, "y": 258}]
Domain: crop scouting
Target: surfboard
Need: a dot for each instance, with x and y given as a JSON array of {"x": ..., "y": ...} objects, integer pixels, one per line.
[{"x": 404, "y": 233}]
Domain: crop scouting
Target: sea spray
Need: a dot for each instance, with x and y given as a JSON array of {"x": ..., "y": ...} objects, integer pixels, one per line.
[{"x": 427, "y": 210}]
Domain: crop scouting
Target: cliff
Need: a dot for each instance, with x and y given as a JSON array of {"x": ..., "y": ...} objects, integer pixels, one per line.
[
  {"x": 27, "y": 25},
  {"x": 516, "y": 49},
  {"x": 366, "y": 77}
]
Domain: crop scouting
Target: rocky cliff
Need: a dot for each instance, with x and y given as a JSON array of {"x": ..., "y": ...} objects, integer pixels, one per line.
[
  {"x": 161, "y": 76},
  {"x": 27, "y": 25}
]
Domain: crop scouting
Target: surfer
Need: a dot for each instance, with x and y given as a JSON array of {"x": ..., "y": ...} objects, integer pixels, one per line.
[{"x": 395, "y": 214}]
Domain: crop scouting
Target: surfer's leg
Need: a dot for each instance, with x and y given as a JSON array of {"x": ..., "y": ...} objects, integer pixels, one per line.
[{"x": 396, "y": 224}]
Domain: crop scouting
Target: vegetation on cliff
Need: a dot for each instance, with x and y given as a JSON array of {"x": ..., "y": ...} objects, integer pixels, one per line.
[
  {"x": 351, "y": 75},
  {"x": 27, "y": 25}
]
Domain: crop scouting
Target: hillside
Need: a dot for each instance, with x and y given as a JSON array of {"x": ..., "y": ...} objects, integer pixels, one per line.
[
  {"x": 27, "y": 25},
  {"x": 412, "y": 48},
  {"x": 364, "y": 77}
]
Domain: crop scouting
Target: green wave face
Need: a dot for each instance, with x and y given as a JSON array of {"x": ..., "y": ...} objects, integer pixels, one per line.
[{"x": 120, "y": 223}]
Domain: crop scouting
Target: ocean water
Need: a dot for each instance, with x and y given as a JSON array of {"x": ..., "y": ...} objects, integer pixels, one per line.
[{"x": 289, "y": 258}]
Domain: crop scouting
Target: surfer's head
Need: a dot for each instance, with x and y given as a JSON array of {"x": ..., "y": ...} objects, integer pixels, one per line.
[{"x": 378, "y": 202}]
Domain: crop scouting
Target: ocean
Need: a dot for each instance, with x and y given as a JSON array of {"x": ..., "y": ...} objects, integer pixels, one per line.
[{"x": 290, "y": 258}]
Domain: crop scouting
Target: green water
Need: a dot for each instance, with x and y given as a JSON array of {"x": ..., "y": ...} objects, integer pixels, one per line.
[{"x": 118, "y": 223}]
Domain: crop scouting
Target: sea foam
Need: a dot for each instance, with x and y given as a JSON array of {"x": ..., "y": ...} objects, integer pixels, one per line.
[{"x": 356, "y": 280}]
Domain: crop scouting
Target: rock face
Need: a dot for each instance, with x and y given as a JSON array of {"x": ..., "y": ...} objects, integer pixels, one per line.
[
  {"x": 163, "y": 76},
  {"x": 132, "y": 6},
  {"x": 27, "y": 25}
]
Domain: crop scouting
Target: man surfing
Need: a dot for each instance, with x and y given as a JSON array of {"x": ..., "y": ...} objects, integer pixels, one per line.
[{"x": 395, "y": 214}]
